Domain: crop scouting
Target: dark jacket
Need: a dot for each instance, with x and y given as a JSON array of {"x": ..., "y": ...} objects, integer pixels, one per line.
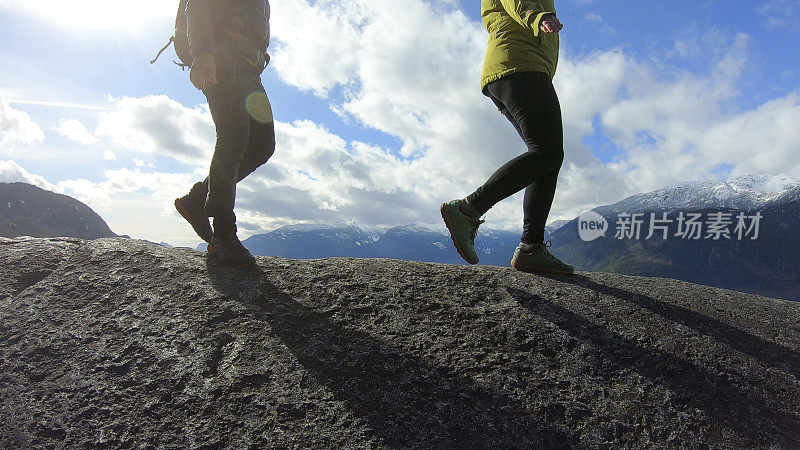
[{"x": 229, "y": 27}]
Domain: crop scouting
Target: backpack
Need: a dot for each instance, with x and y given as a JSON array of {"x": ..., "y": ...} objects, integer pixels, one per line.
[{"x": 180, "y": 39}]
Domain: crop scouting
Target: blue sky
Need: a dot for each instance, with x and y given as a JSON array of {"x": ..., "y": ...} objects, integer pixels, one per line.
[{"x": 378, "y": 109}]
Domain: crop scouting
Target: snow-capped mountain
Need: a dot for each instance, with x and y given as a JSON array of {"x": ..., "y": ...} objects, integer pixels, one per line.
[
  {"x": 746, "y": 193},
  {"x": 415, "y": 242},
  {"x": 765, "y": 264},
  {"x": 352, "y": 231},
  {"x": 315, "y": 240},
  {"x": 553, "y": 226}
]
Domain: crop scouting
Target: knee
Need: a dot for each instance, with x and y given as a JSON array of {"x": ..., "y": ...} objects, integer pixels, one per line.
[
  {"x": 265, "y": 147},
  {"x": 557, "y": 159},
  {"x": 553, "y": 155}
]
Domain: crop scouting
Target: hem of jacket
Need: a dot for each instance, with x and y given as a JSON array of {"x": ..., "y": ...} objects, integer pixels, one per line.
[{"x": 496, "y": 76}]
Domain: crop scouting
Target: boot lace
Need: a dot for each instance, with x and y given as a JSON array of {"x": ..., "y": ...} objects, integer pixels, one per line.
[
  {"x": 545, "y": 248},
  {"x": 473, "y": 232}
]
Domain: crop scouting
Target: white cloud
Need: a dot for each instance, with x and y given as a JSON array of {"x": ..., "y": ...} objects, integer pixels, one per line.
[
  {"x": 162, "y": 186},
  {"x": 314, "y": 64},
  {"x": 94, "y": 14},
  {"x": 781, "y": 13},
  {"x": 316, "y": 175},
  {"x": 109, "y": 155},
  {"x": 369, "y": 61},
  {"x": 657, "y": 122},
  {"x": 592, "y": 17},
  {"x": 764, "y": 140},
  {"x": 597, "y": 18},
  {"x": 138, "y": 203},
  {"x": 158, "y": 124},
  {"x": 75, "y": 130},
  {"x": 11, "y": 172},
  {"x": 422, "y": 88},
  {"x": 17, "y": 126}
]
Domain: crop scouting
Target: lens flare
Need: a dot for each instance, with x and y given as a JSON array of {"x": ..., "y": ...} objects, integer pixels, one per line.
[{"x": 259, "y": 108}]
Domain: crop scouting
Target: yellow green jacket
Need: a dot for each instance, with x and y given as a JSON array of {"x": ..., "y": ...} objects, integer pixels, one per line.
[{"x": 515, "y": 42}]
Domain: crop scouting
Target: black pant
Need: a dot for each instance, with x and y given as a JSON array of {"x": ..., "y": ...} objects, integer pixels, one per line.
[
  {"x": 529, "y": 101},
  {"x": 245, "y": 136}
]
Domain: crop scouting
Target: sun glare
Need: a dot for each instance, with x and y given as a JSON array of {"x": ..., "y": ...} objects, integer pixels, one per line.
[{"x": 96, "y": 14}]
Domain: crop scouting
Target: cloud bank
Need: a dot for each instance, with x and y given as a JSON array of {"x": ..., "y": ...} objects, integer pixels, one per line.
[
  {"x": 17, "y": 127},
  {"x": 11, "y": 172},
  {"x": 632, "y": 123}
]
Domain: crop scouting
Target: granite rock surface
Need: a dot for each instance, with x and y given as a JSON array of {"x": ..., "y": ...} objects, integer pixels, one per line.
[{"x": 117, "y": 343}]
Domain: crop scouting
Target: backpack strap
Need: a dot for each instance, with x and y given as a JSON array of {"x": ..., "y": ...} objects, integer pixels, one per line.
[
  {"x": 179, "y": 64},
  {"x": 171, "y": 40}
]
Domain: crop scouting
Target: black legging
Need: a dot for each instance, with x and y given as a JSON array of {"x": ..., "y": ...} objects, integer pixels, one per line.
[{"x": 529, "y": 101}]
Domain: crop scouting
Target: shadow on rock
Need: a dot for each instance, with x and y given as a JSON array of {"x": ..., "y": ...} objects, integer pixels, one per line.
[
  {"x": 405, "y": 400},
  {"x": 767, "y": 352},
  {"x": 759, "y": 416}
]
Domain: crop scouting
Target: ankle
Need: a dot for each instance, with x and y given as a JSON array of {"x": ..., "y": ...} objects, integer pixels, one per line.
[
  {"x": 531, "y": 248},
  {"x": 468, "y": 210},
  {"x": 226, "y": 236},
  {"x": 225, "y": 225},
  {"x": 198, "y": 192}
]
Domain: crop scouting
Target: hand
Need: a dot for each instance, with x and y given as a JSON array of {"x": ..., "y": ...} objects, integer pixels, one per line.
[
  {"x": 204, "y": 71},
  {"x": 550, "y": 24}
]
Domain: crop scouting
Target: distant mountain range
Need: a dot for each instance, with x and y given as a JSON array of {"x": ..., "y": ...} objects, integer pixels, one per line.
[
  {"x": 745, "y": 193},
  {"x": 767, "y": 265},
  {"x": 409, "y": 242},
  {"x": 27, "y": 210},
  {"x": 764, "y": 266}
]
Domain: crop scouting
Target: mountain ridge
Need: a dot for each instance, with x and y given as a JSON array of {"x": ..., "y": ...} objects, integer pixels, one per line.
[
  {"x": 746, "y": 192},
  {"x": 416, "y": 242},
  {"x": 761, "y": 267},
  {"x": 28, "y": 210},
  {"x": 765, "y": 265}
]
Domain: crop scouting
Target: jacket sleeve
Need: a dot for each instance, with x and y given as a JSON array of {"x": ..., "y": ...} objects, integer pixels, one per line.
[
  {"x": 199, "y": 22},
  {"x": 528, "y": 13}
]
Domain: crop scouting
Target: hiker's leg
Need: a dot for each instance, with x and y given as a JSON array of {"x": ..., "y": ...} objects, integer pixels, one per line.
[
  {"x": 539, "y": 194},
  {"x": 537, "y": 201},
  {"x": 532, "y": 107},
  {"x": 261, "y": 142},
  {"x": 227, "y": 103},
  {"x": 536, "y": 206},
  {"x": 260, "y": 147}
]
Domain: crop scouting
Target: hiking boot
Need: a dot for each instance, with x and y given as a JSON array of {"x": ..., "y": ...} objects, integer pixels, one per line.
[
  {"x": 463, "y": 230},
  {"x": 192, "y": 211},
  {"x": 536, "y": 258},
  {"x": 230, "y": 250}
]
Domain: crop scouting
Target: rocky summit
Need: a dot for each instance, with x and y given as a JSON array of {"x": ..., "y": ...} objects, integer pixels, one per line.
[{"x": 117, "y": 343}]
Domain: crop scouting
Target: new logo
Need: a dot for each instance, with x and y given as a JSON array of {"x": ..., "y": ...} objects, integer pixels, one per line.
[{"x": 591, "y": 226}]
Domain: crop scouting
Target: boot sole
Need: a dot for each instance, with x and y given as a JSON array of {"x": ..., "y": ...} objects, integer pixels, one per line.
[
  {"x": 542, "y": 270},
  {"x": 450, "y": 230},
  {"x": 227, "y": 261},
  {"x": 188, "y": 217}
]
